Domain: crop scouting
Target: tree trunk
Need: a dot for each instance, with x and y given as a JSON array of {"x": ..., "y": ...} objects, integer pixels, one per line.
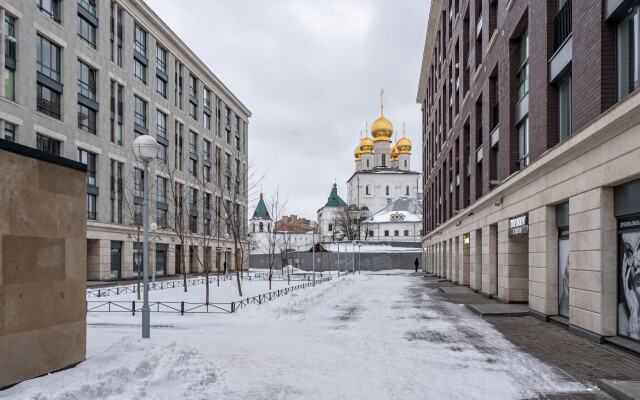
[
  {"x": 207, "y": 283},
  {"x": 238, "y": 273},
  {"x": 184, "y": 268}
]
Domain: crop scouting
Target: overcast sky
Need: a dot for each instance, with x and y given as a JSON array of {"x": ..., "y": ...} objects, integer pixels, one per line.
[{"x": 311, "y": 72}]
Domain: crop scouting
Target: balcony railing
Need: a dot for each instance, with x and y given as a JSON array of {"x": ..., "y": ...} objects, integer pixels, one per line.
[{"x": 562, "y": 25}]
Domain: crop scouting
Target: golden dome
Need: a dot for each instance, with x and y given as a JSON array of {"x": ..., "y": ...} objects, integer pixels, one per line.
[
  {"x": 404, "y": 145},
  {"x": 394, "y": 153},
  {"x": 382, "y": 129},
  {"x": 356, "y": 153},
  {"x": 366, "y": 145}
]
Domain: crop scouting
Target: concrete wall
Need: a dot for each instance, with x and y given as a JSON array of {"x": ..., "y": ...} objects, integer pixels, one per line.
[
  {"x": 326, "y": 261},
  {"x": 42, "y": 266}
]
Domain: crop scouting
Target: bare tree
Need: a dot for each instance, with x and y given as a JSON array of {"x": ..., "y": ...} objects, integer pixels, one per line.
[
  {"x": 275, "y": 208},
  {"x": 129, "y": 191},
  {"x": 349, "y": 222}
]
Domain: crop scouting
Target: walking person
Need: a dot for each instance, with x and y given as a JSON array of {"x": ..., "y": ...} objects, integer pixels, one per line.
[{"x": 416, "y": 263}]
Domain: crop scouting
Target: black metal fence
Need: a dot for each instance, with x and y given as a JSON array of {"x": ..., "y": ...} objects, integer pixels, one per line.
[
  {"x": 117, "y": 290},
  {"x": 183, "y": 307}
]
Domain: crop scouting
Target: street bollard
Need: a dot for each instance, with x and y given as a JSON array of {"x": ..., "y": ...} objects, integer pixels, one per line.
[
  {"x": 133, "y": 307},
  {"x": 182, "y": 308}
]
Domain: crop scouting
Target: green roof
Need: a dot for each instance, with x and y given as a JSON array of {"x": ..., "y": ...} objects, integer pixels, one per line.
[
  {"x": 334, "y": 199},
  {"x": 261, "y": 210}
]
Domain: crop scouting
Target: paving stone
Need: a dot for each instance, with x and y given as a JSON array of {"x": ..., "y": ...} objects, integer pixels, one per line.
[{"x": 500, "y": 310}]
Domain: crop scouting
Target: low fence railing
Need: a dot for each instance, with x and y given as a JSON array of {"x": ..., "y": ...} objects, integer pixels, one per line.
[
  {"x": 117, "y": 290},
  {"x": 183, "y": 307}
]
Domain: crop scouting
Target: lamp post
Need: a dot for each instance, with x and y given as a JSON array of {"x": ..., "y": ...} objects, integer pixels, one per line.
[
  {"x": 359, "y": 245},
  {"x": 353, "y": 258},
  {"x": 154, "y": 226},
  {"x": 339, "y": 237},
  {"x": 313, "y": 225},
  {"x": 145, "y": 148},
  {"x": 226, "y": 265}
]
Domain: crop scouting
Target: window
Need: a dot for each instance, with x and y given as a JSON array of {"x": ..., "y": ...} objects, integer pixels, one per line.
[
  {"x": 386, "y": 233},
  {"x": 140, "y": 112},
  {"x": 564, "y": 108},
  {"x": 48, "y": 63},
  {"x": 386, "y": 192},
  {"x": 193, "y": 167},
  {"x": 10, "y": 55},
  {"x": 161, "y": 86},
  {"x": 140, "y": 40},
  {"x": 406, "y": 192},
  {"x": 9, "y": 84},
  {"x": 367, "y": 163},
  {"x": 193, "y": 224},
  {"x": 206, "y": 150},
  {"x": 86, "y": 81},
  {"x": 193, "y": 143},
  {"x": 48, "y": 145},
  {"x": 161, "y": 190},
  {"x": 193, "y": 86},
  {"x": 161, "y": 218},
  {"x": 330, "y": 227},
  {"x": 628, "y": 69},
  {"x": 384, "y": 160},
  {"x": 48, "y": 101},
  {"x": 206, "y": 101},
  {"x": 193, "y": 110},
  {"x": 86, "y": 119},
  {"x": 227, "y": 116},
  {"x": 91, "y": 206},
  {"x": 89, "y": 159},
  {"x": 207, "y": 121},
  {"x": 207, "y": 173},
  {"x": 117, "y": 91},
  {"x": 86, "y": 31},
  {"x": 207, "y": 226},
  {"x": 51, "y": 8},
  {"x": 138, "y": 182},
  {"x": 406, "y": 232},
  {"x": 193, "y": 199},
  {"x": 366, "y": 189},
  {"x": 237, "y": 132},
  {"x": 116, "y": 37},
  {"x": 162, "y": 153},
  {"x": 140, "y": 71},
  {"x": 9, "y": 132},
  {"x": 161, "y": 124},
  {"x": 523, "y": 72},
  {"x": 370, "y": 233},
  {"x": 396, "y": 233},
  {"x": 161, "y": 59},
  {"x": 89, "y": 5},
  {"x": 523, "y": 143}
]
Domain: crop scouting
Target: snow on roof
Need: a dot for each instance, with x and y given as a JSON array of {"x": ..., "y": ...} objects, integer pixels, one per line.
[
  {"x": 386, "y": 217},
  {"x": 409, "y": 208}
]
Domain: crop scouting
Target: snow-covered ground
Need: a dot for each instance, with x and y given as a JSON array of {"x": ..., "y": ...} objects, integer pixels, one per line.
[{"x": 369, "y": 336}]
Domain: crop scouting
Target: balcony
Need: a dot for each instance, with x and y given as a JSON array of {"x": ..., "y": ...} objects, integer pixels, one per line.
[{"x": 562, "y": 26}]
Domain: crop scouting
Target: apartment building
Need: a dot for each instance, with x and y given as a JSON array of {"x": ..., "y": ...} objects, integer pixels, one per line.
[
  {"x": 531, "y": 146},
  {"x": 83, "y": 79}
]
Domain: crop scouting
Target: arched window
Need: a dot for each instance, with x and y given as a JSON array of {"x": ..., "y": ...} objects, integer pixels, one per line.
[
  {"x": 261, "y": 227},
  {"x": 384, "y": 160},
  {"x": 330, "y": 227},
  {"x": 405, "y": 163},
  {"x": 407, "y": 191},
  {"x": 367, "y": 163},
  {"x": 387, "y": 191},
  {"x": 366, "y": 189},
  {"x": 254, "y": 227}
]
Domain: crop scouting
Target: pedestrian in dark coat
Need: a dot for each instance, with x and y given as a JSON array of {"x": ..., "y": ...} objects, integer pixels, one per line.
[{"x": 417, "y": 263}]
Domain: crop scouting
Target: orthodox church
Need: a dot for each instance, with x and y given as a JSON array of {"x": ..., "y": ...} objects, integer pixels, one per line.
[
  {"x": 383, "y": 189},
  {"x": 382, "y": 172}
]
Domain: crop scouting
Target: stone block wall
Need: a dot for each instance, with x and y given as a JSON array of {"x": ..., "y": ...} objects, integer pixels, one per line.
[{"x": 43, "y": 258}]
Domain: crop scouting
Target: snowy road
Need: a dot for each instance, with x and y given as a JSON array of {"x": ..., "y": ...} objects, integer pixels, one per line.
[{"x": 371, "y": 336}]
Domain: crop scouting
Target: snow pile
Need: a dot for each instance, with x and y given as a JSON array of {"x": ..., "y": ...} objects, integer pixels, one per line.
[{"x": 128, "y": 369}]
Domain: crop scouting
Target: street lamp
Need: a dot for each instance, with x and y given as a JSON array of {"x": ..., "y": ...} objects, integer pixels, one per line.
[
  {"x": 154, "y": 226},
  {"x": 145, "y": 148},
  {"x": 226, "y": 265},
  {"x": 313, "y": 225},
  {"x": 339, "y": 237},
  {"x": 359, "y": 245},
  {"x": 353, "y": 258}
]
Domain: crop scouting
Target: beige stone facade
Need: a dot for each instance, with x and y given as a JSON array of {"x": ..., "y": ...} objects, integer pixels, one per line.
[
  {"x": 42, "y": 267},
  {"x": 584, "y": 170}
]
